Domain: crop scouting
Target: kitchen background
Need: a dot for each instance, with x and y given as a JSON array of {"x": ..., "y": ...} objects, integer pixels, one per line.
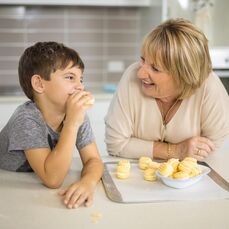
[
  {"x": 106, "y": 33},
  {"x": 107, "y": 38}
]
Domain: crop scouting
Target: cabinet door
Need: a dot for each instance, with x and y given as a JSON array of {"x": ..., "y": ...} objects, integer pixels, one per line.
[{"x": 96, "y": 115}]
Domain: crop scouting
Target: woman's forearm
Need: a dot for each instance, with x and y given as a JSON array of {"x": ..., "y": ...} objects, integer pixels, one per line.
[{"x": 165, "y": 150}]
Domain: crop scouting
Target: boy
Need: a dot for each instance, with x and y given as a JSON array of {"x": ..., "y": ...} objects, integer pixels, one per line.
[{"x": 42, "y": 133}]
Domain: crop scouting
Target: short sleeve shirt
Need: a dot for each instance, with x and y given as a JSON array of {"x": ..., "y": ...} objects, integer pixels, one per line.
[{"x": 26, "y": 129}]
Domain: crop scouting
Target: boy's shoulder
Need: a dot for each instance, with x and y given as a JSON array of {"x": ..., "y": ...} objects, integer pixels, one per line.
[
  {"x": 25, "y": 111},
  {"x": 27, "y": 107}
]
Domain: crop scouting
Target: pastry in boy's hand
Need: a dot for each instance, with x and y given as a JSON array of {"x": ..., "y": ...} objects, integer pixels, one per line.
[{"x": 91, "y": 101}]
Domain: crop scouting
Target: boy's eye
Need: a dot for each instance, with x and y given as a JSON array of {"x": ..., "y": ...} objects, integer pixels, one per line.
[
  {"x": 69, "y": 77},
  {"x": 81, "y": 79}
]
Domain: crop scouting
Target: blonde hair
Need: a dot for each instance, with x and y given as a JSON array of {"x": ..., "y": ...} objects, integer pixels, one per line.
[{"x": 179, "y": 48}]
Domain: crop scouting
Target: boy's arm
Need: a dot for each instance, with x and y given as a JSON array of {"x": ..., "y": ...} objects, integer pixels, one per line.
[
  {"x": 82, "y": 191},
  {"x": 52, "y": 166}
]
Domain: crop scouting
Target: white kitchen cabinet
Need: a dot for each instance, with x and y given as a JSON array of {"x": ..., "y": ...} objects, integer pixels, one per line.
[
  {"x": 138, "y": 3},
  {"x": 96, "y": 115}
]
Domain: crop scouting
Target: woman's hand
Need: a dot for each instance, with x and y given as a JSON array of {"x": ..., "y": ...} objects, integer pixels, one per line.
[
  {"x": 78, "y": 193},
  {"x": 197, "y": 147}
]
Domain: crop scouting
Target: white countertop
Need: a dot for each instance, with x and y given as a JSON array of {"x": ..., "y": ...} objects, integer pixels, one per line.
[{"x": 25, "y": 203}]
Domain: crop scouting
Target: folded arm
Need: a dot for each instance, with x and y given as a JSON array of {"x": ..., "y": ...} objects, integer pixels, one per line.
[{"x": 81, "y": 192}]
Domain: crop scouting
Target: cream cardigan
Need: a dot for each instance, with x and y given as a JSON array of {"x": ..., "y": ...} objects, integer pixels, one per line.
[{"x": 134, "y": 121}]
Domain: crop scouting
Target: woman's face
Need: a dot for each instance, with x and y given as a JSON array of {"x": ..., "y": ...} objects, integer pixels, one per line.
[{"x": 156, "y": 83}]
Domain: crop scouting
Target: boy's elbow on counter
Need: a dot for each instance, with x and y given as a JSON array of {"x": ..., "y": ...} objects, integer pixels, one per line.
[{"x": 53, "y": 183}]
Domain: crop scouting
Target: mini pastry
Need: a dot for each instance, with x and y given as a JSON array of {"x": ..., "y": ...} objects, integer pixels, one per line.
[
  {"x": 195, "y": 172},
  {"x": 174, "y": 162},
  {"x": 124, "y": 163},
  {"x": 190, "y": 162},
  {"x": 91, "y": 101},
  {"x": 122, "y": 172},
  {"x": 149, "y": 175},
  {"x": 184, "y": 167},
  {"x": 123, "y": 169},
  {"x": 190, "y": 159},
  {"x": 154, "y": 165},
  {"x": 144, "y": 162},
  {"x": 121, "y": 175},
  {"x": 165, "y": 169},
  {"x": 180, "y": 175}
]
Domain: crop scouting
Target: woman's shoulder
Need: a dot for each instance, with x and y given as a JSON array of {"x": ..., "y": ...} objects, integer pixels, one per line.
[
  {"x": 213, "y": 84},
  {"x": 131, "y": 72},
  {"x": 129, "y": 81}
]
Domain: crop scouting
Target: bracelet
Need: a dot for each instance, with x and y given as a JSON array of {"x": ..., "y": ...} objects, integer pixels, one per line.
[
  {"x": 168, "y": 150},
  {"x": 171, "y": 153}
]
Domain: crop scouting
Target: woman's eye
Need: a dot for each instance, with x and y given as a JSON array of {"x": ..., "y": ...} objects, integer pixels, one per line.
[
  {"x": 154, "y": 69},
  {"x": 81, "y": 80},
  {"x": 142, "y": 60}
]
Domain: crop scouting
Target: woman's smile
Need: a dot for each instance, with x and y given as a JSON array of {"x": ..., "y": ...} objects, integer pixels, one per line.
[{"x": 147, "y": 84}]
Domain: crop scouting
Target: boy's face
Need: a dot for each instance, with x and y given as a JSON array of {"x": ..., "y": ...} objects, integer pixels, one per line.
[{"x": 63, "y": 83}]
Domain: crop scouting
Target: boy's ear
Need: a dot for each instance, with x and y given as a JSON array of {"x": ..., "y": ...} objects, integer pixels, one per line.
[{"x": 37, "y": 84}]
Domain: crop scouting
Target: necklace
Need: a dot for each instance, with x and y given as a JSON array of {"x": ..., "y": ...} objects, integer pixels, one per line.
[{"x": 165, "y": 115}]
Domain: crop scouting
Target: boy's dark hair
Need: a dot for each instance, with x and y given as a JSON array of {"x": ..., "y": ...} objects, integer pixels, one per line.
[{"x": 44, "y": 58}]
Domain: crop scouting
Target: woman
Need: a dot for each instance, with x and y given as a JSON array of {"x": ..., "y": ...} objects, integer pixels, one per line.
[{"x": 170, "y": 104}]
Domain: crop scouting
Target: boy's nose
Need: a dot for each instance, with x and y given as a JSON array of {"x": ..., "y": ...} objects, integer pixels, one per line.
[{"x": 79, "y": 87}]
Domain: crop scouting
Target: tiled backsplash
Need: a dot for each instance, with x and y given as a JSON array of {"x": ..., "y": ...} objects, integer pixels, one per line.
[{"x": 102, "y": 35}]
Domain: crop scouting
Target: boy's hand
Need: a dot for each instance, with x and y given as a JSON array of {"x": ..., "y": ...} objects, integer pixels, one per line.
[
  {"x": 78, "y": 193},
  {"x": 77, "y": 104}
]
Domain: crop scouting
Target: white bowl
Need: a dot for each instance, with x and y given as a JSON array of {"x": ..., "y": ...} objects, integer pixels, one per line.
[{"x": 183, "y": 183}]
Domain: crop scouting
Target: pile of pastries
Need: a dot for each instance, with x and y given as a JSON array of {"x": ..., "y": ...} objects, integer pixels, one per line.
[
  {"x": 172, "y": 168},
  {"x": 176, "y": 169}
]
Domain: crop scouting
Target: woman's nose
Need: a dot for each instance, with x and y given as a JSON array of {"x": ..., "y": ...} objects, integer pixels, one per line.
[{"x": 142, "y": 73}]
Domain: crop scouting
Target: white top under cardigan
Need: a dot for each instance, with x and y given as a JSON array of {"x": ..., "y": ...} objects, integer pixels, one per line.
[{"x": 134, "y": 121}]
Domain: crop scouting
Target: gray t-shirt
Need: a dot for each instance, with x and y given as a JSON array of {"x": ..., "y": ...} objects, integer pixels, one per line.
[{"x": 26, "y": 129}]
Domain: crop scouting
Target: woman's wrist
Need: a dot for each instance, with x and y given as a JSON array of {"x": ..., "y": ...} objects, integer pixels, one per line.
[
  {"x": 166, "y": 150},
  {"x": 172, "y": 151}
]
